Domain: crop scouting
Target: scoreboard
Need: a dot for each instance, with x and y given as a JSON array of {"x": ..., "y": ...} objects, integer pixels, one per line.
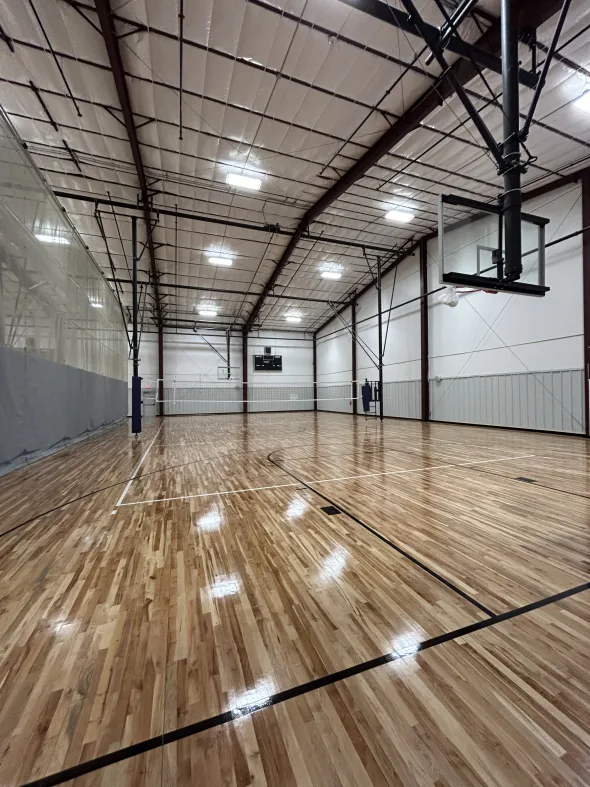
[{"x": 268, "y": 363}]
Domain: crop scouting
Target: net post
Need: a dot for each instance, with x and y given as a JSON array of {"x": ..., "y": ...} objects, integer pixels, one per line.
[
  {"x": 380, "y": 338},
  {"x": 136, "y": 379},
  {"x": 315, "y": 373},
  {"x": 424, "y": 350},
  {"x": 353, "y": 351},
  {"x": 244, "y": 371},
  {"x": 160, "y": 385}
]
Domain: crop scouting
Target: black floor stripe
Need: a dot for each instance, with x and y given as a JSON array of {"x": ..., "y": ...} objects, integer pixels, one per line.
[
  {"x": 542, "y": 486},
  {"x": 297, "y": 691},
  {"x": 389, "y": 543}
]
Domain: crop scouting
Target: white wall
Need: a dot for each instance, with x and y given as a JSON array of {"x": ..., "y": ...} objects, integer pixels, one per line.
[
  {"x": 334, "y": 353},
  {"x": 401, "y": 339},
  {"x": 528, "y": 333},
  {"x": 402, "y": 349},
  {"x": 190, "y": 363},
  {"x": 297, "y": 352},
  {"x": 502, "y": 359}
]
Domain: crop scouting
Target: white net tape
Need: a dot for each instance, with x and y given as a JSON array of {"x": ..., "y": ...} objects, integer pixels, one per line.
[{"x": 198, "y": 396}]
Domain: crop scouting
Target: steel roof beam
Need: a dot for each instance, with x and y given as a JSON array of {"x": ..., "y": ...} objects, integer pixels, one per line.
[
  {"x": 532, "y": 13},
  {"x": 273, "y": 229},
  {"x": 403, "y": 21},
  {"x": 105, "y": 17}
]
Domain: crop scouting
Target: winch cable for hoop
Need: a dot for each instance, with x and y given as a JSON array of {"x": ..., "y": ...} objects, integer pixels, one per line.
[
  {"x": 390, "y": 308},
  {"x": 355, "y": 337}
]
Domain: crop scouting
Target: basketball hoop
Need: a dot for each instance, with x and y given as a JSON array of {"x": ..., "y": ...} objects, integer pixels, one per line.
[{"x": 466, "y": 290}]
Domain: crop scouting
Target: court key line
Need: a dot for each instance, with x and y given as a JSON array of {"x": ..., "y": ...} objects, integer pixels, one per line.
[
  {"x": 136, "y": 471},
  {"x": 172, "y": 736},
  {"x": 319, "y": 481}
]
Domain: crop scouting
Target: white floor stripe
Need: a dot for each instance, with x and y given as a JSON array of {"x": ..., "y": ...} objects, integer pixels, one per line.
[
  {"x": 209, "y": 494},
  {"x": 136, "y": 471},
  {"x": 326, "y": 480}
]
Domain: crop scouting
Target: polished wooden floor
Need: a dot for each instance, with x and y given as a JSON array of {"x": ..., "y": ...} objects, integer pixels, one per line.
[{"x": 148, "y": 586}]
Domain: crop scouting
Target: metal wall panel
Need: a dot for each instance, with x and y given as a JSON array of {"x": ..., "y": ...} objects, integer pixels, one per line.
[
  {"x": 531, "y": 400},
  {"x": 402, "y": 399},
  {"x": 335, "y": 397}
]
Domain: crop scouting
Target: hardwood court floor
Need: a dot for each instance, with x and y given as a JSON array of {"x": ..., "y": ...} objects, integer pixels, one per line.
[{"x": 214, "y": 582}]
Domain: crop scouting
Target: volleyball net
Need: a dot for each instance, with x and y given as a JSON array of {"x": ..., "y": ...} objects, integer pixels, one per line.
[{"x": 198, "y": 396}]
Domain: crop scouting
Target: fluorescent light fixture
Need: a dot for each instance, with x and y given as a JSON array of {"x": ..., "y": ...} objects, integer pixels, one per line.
[
  {"x": 397, "y": 214},
  {"x": 224, "y": 261},
  {"x": 243, "y": 181},
  {"x": 583, "y": 102},
  {"x": 331, "y": 275},
  {"x": 292, "y": 318},
  {"x": 96, "y": 304},
  {"x": 207, "y": 312},
  {"x": 45, "y": 238}
]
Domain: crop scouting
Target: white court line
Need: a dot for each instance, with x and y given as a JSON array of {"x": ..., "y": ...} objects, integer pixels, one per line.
[
  {"x": 328, "y": 480},
  {"x": 210, "y": 494},
  {"x": 136, "y": 471}
]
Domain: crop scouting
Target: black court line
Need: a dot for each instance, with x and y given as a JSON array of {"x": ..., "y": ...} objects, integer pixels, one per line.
[
  {"x": 113, "y": 485},
  {"x": 519, "y": 480},
  {"x": 390, "y": 543},
  {"x": 297, "y": 691}
]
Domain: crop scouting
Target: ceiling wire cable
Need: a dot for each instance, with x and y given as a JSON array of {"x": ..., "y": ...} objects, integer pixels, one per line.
[
  {"x": 355, "y": 337},
  {"x": 390, "y": 307}
]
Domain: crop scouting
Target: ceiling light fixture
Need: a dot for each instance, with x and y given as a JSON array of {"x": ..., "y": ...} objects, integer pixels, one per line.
[
  {"x": 331, "y": 275},
  {"x": 292, "y": 318},
  {"x": 397, "y": 214},
  {"x": 45, "y": 238},
  {"x": 96, "y": 304},
  {"x": 243, "y": 181},
  {"x": 583, "y": 102},
  {"x": 207, "y": 312},
  {"x": 223, "y": 261}
]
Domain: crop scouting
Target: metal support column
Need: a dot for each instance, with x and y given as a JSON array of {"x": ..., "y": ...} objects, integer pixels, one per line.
[
  {"x": 160, "y": 386},
  {"x": 380, "y": 337},
  {"x": 136, "y": 379},
  {"x": 228, "y": 343},
  {"x": 245, "y": 371},
  {"x": 586, "y": 296},
  {"x": 353, "y": 349},
  {"x": 315, "y": 373},
  {"x": 511, "y": 145},
  {"x": 425, "y": 387}
]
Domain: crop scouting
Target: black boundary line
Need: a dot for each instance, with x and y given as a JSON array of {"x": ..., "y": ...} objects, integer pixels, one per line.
[
  {"x": 118, "y": 483},
  {"x": 296, "y": 691},
  {"x": 389, "y": 543},
  {"x": 197, "y": 461},
  {"x": 536, "y": 483},
  {"x": 151, "y": 472}
]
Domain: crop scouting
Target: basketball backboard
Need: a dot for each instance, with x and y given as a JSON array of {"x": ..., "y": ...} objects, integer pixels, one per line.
[{"x": 471, "y": 248}]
